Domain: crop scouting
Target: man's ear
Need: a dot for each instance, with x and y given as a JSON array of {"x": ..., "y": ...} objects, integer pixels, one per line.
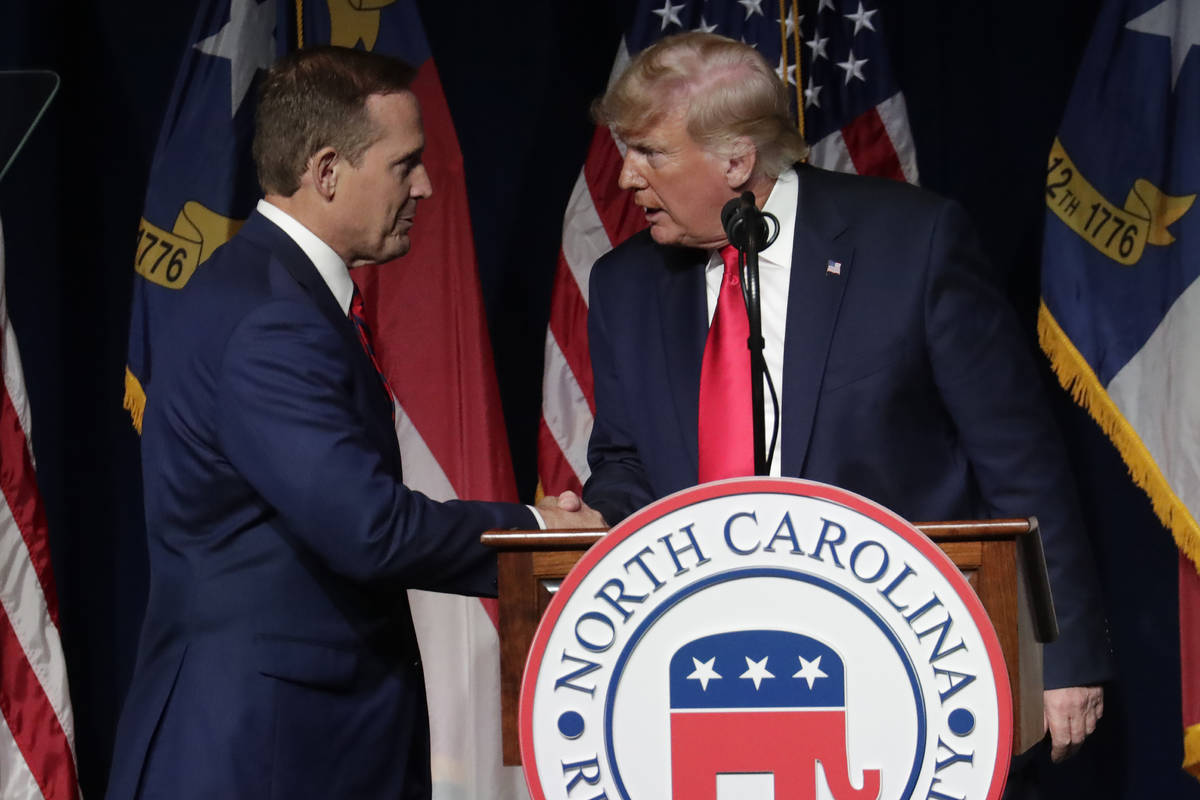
[
  {"x": 741, "y": 164},
  {"x": 322, "y": 172}
]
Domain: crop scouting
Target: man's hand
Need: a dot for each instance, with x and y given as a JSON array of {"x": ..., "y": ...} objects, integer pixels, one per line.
[
  {"x": 569, "y": 511},
  {"x": 1071, "y": 715}
]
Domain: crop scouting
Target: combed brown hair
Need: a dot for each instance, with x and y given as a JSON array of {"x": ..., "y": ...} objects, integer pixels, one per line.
[
  {"x": 314, "y": 98},
  {"x": 728, "y": 90}
]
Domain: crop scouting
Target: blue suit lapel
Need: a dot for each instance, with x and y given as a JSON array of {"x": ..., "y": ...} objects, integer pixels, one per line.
[
  {"x": 258, "y": 228},
  {"x": 814, "y": 301},
  {"x": 684, "y": 329}
]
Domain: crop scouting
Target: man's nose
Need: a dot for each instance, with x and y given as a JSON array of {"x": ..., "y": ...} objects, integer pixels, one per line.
[
  {"x": 630, "y": 177},
  {"x": 421, "y": 186}
]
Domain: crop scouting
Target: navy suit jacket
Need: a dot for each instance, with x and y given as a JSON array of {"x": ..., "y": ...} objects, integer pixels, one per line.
[
  {"x": 905, "y": 379},
  {"x": 278, "y": 657}
]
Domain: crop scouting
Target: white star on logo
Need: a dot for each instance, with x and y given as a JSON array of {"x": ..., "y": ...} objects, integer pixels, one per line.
[
  {"x": 756, "y": 671},
  {"x": 817, "y": 46},
  {"x": 1178, "y": 20},
  {"x": 812, "y": 95},
  {"x": 853, "y": 67},
  {"x": 785, "y": 71},
  {"x": 752, "y": 7},
  {"x": 248, "y": 41},
  {"x": 704, "y": 672},
  {"x": 810, "y": 670},
  {"x": 669, "y": 14},
  {"x": 704, "y": 27},
  {"x": 862, "y": 19}
]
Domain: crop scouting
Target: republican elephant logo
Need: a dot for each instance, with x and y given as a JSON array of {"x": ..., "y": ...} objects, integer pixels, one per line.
[{"x": 761, "y": 701}]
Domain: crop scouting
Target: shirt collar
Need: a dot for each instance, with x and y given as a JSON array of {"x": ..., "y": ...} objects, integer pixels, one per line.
[
  {"x": 781, "y": 203},
  {"x": 328, "y": 263}
]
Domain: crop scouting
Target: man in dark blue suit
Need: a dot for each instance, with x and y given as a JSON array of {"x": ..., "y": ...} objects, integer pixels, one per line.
[
  {"x": 278, "y": 657},
  {"x": 902, "y": 372}
]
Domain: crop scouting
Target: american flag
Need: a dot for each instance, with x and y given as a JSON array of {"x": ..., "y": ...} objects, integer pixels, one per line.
[
  {"x": 833, "y": 56},
  {"x": 37, "y": 758}
]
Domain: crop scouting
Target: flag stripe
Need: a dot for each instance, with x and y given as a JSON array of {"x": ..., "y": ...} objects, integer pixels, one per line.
[
  {"x": 32, "y": 721},
  {"x": 20, "y": 490},
  {"x": 555, "y": 473},
  {"x": 894, "y": 114},
  {"x": 1189, "y": 661},
  {"x": 15, "y": 778},
  {"x": 584, "y": 236},
  {"x": 870, "y": 148},
  {"x": 566, "y": 412},
  {"x": 832, "y": 153},
  {"x": 568, "y": 327},
  {"x": 24, "y": 604}
]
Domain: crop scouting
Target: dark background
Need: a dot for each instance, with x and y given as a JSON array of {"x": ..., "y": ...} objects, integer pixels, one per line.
[{"x": 985, "y": 82}]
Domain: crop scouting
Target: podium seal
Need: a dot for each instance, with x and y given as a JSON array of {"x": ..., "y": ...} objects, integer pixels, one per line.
[{"x": 765, "y": 638}]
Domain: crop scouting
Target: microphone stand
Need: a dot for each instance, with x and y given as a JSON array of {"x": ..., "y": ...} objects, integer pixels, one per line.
[{"x": 758, "y": 366}]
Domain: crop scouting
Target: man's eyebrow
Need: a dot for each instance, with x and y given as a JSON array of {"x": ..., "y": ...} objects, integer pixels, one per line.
[{"x": 412, "y": 155}]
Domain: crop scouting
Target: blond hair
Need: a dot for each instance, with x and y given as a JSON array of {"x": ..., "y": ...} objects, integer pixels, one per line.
[{"x": 728, "y": 91}]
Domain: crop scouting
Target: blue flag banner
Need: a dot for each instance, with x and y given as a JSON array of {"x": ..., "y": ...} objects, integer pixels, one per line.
[
  {"x": 1120, "y": 314},
  {"x": 202, "y": 183}
]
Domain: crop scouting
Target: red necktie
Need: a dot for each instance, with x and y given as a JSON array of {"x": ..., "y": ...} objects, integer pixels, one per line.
[
  {"x": 358, "y": 317},
  {"x": 726, "y": 435}
]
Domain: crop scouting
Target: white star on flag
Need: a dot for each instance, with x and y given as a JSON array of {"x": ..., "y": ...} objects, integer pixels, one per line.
[
  {"x": 752, "y": 7},
  {"x": 792, "y": 23},
  {"x": 704, "y": 27},
  {"x": 1178, "y": 20},
  {"x": 817, "y": 46},
  {"x": 756, "y": 671},
  {"x": 785, "y": 71},
  {"x": 812, "y": 95},
  {"x": 861, "y": 19},
  {"x": 248, "y": 41},
  {"x": 704, "y": 672},
  {"x": 853, "y": 67},
  {"x": 810, "y": 670},
  {"x": 669, "y": 14},
  {"x": 824, "y": 4}
]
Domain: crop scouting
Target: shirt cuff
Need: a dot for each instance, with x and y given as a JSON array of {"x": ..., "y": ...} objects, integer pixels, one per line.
[{"x": 537, "y": 516}]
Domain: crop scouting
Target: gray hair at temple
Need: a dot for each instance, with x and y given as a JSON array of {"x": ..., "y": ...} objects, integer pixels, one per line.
[{"x": 728, "y": 90}]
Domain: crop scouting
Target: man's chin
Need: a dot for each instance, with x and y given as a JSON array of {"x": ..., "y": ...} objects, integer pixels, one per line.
[
  {"x": 663, "y": 235},
  {"x": 390, "y": 252}
]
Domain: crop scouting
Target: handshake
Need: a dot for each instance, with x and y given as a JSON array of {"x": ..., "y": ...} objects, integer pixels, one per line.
[{"x": 569, "y": 511}]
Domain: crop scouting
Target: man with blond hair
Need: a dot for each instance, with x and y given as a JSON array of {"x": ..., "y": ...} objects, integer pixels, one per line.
[{"x": 901, "y": 371}]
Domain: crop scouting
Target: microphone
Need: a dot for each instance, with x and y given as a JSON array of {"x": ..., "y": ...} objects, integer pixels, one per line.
[{"x": 746, "y": 226}]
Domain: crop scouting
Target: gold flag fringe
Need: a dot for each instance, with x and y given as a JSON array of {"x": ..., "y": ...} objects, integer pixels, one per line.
[
  {"x": 1191, "y": 750},
  {"x": 1078, "y": 378},
  {"x": 135, "y": 399}
]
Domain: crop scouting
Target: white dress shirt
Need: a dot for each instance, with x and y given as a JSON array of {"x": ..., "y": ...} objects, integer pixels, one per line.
[
  {"x": 333, "y": 270},
  {"x": 774, "y": 276}
]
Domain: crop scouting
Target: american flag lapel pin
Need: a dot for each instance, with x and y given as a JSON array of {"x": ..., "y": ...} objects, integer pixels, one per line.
[{"x": 833, "y": 267}]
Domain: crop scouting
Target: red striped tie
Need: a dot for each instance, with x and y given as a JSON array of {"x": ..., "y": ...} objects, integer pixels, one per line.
[
  {"x": 358, "y": 317},
  {"x": 726, "y": 435}
]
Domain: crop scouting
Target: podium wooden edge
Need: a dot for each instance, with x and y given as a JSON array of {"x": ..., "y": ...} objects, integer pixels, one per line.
[{"x": 991, "y": 553}]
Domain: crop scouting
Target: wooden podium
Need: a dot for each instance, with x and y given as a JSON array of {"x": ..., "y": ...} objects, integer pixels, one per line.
[{"x": 1001, "y": 559}]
